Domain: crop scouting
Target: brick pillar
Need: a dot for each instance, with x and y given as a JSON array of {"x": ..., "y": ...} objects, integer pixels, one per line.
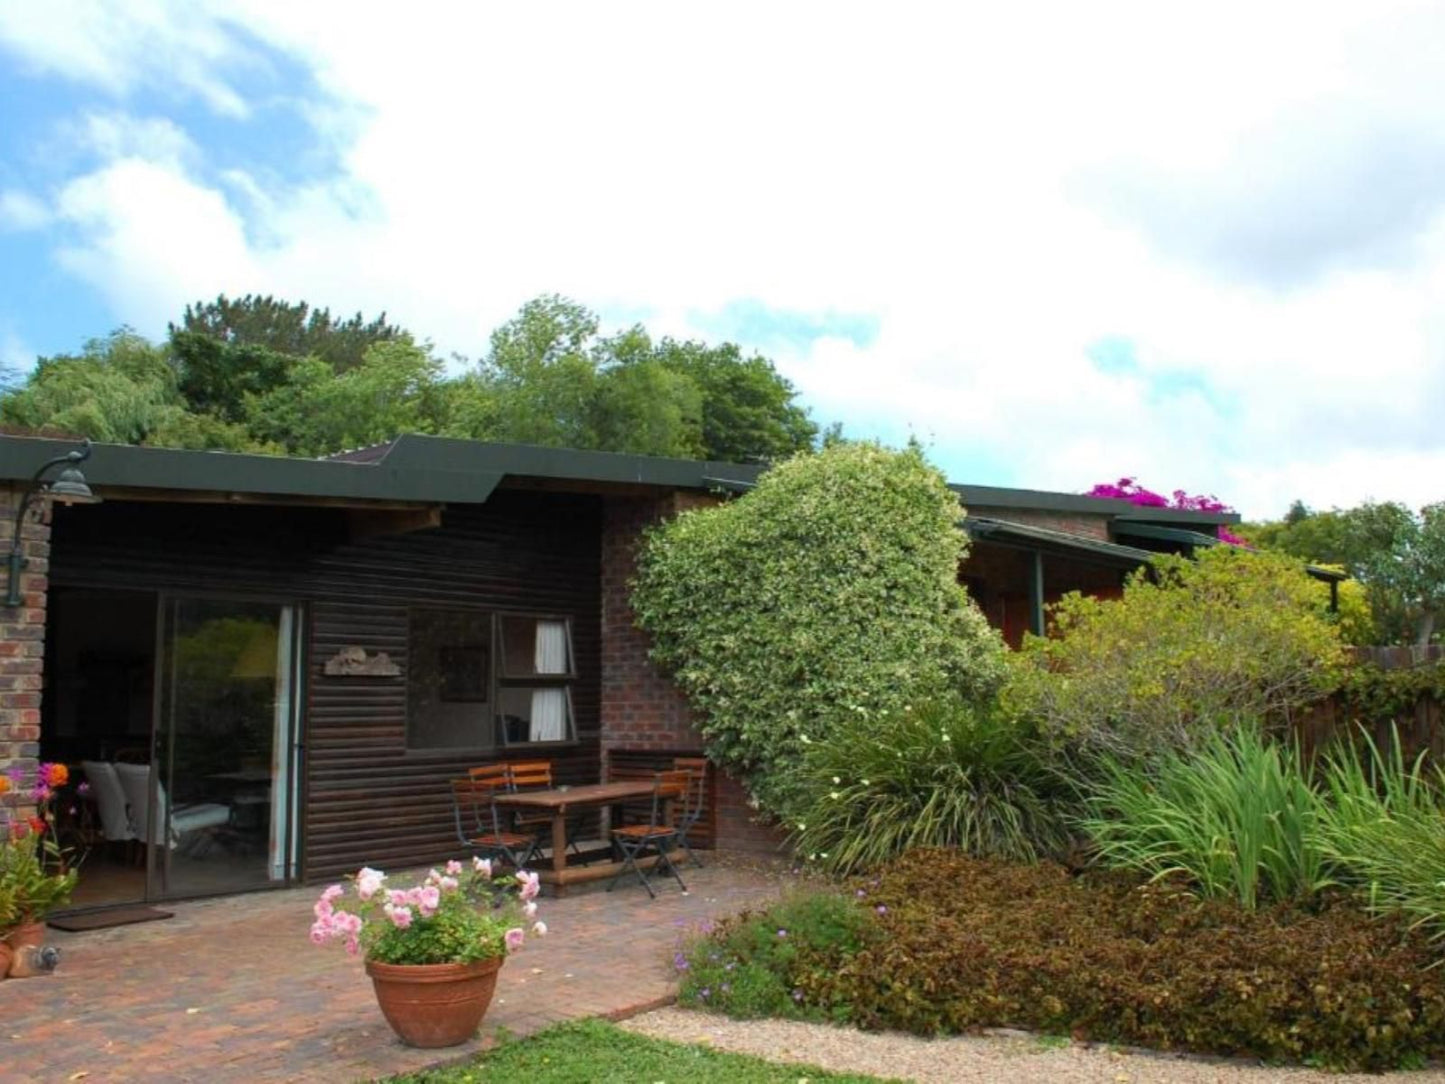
[
  {"x": 642, "y": 711},
  {"x": 22, "y": 642}
]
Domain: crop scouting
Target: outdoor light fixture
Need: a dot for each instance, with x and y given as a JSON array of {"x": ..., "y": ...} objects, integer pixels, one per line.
[{"x": 69, "y": 487}]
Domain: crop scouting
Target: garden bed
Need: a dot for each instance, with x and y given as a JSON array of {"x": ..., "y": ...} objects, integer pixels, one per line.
[{"x": 941, "y": 943}]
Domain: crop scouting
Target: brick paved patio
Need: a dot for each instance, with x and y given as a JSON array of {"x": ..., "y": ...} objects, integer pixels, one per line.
[{"x": 230, "y": 989}]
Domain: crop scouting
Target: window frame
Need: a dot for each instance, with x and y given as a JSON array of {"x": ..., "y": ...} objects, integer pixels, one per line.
[{"x": 491, "y": 733}]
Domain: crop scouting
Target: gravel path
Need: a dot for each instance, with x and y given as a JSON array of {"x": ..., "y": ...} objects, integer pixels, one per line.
[{"x": 998, "y": 1060}]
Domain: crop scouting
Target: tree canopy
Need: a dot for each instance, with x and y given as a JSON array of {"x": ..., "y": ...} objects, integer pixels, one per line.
[
  {"x": 265, "y": 375},
  {"x": 1397, "y": 554}
]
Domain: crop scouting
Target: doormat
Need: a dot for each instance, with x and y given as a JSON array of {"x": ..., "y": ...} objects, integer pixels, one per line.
[{"x": 103, "y": 920}]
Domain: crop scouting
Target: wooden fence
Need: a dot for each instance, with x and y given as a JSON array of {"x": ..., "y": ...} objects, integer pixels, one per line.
[{"x": 1419, "y": 724}]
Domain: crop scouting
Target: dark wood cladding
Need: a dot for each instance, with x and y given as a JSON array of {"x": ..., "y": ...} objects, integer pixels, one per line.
[{"x": 367, "y": 799}]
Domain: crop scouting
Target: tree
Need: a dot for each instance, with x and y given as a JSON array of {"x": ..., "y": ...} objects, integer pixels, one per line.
[
  {"x": 119, "y": 388},
  {"x": 1192, "y": 643},
  {"x": 828, "y": 591},
  {"x": 748, "y": 410},
  {"x": 396, "y": 389},
  {"x": 294, "y": 329},
  {"x": 1398, "y": 555}
]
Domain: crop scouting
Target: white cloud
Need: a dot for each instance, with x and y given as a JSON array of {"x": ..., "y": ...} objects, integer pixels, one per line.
[{"x": 1248, "y": 195}]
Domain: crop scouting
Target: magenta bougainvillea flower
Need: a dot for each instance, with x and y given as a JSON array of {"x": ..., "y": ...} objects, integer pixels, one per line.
[{"x": 1128, "y": 489}]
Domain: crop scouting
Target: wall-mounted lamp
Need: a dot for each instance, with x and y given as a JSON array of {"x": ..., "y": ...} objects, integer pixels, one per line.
[{"x": 69, "y": 487}]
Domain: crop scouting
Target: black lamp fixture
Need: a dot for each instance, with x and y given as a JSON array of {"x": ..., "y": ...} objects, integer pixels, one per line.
[{"x": 69, "y": 487}]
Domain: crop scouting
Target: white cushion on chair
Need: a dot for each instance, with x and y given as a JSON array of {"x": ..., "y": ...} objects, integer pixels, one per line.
[{"x": 109, "y": 799}]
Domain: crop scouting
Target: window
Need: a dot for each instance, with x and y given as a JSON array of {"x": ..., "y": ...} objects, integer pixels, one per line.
[
  {"x": 534, "y": 700},
  {"x": 448, "y": 684},
  {"x": 477, "y": 680}
]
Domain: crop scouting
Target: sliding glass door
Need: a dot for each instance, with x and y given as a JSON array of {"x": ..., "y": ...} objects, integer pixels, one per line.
[{"x": 222, "y": 781}]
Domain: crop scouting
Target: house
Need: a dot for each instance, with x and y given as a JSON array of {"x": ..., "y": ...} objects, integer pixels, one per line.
[{"x": 301, "y": 653}]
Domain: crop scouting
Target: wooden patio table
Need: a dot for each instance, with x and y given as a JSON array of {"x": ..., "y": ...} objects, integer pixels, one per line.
[{"x": 559, "y": 801}]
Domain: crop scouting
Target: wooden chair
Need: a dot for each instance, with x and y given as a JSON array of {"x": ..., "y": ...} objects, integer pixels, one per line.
[
  {"x": 536, "y": 775},
  {"x": 478, "y": 823},
  {"x": 635, "y": 840},
  {"x": 696, "y": 767}
]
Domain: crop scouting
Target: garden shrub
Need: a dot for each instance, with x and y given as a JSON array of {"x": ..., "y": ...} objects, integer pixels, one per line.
[
  {"x": 1238, "y": 815},
  {"x": 1383, "y": 828},
  {"x": 942, "y": 773},
  {"x": 1227, "y": 634},
  {"x": 966, "y": 943},
  {"x": 828, "y": 591}
]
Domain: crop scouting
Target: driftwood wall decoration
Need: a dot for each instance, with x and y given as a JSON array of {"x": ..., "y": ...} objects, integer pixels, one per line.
[{"x": 355, "y": 662}]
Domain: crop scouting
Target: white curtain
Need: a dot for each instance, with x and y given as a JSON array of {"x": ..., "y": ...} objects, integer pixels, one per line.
[
  {"x": 549, "y": 706},
  {"x": 551, "y": 653}
]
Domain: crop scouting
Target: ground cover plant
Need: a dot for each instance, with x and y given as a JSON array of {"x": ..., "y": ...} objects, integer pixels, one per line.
[
  {"x": 943, "y": 773},
  {"x": 596, "y": 1052},
  {"x": 955, "y": 943},
  {"x": 829, "y": 591}
]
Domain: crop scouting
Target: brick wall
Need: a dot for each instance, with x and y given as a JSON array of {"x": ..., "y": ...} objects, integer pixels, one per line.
[
  {"x": 642, "y": 711},
  {"x": 22, "y": 642},
  {"x": 1079, "y": 523}
]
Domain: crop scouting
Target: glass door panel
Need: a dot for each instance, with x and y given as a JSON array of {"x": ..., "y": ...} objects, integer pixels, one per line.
[{"x": 223, "y": 792}]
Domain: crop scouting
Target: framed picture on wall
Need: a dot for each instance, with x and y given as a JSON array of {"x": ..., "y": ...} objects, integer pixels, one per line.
[{"x": 463, "y": 672}]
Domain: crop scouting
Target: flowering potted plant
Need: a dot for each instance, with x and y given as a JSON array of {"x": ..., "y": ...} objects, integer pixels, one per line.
[
  {"x": 433, "y": 949},
  {"x": 36, "y": 875}
]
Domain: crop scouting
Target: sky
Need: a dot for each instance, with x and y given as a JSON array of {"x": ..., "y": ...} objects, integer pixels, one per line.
[{"x": 1198, "y": 245}]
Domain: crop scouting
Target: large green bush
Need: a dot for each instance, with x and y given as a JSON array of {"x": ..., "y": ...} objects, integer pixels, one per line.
[
  {"x": 1237, "y": 815},
  {"x": 829, "y": 591},
  {"x": 1227, "y": 634},
  {"x": 953, "y": 943},
  {"x": 938, "y": 774}
]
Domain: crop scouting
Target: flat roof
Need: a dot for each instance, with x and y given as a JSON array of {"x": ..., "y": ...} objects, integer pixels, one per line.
[
  {"x": 428, "y": 470},
  {"x": 412, "y": 468}
]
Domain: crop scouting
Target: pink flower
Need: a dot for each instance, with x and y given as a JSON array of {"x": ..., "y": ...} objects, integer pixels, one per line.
[
  {"x": 396, "y": 897},
  {"x": 84, "y": 788},
  {"x": 318, "y": 934},
  {"x": 454, "y": 868},
  {"x": 529, "y": 909},
  {"x": 448, "y": 884},
  {"x": 482, "y": 866},
  {"x": 514, "y": 938},
  {"x": 539, "y": 928},
  {"x": 353, "y": 946},
  {"x": 431, "y": 899},
  {"x": 400, "y": 916},
  {"x": 530, "y": 885},
  {"x": 368, "y": 882}
]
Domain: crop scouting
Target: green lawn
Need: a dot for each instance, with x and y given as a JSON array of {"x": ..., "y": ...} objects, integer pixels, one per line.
[{"x": 595, "y": 1052}]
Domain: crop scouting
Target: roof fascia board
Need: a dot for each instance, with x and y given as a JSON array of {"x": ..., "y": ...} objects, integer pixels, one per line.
[{"x": 1048, "y": 500}]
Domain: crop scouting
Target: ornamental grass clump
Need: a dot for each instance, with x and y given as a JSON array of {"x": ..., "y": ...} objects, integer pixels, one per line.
[
  {"x": 942, "y": 774},
  {"x": 1238, "y": 817},
  {"x": 1383, "y": 828},
  {"x": 458, "y": 915}
]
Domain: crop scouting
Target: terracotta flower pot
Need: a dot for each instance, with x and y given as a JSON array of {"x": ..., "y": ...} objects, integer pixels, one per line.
[
  {"x": 27, "y": 933},
  {"x": 434, "y": 1004}
]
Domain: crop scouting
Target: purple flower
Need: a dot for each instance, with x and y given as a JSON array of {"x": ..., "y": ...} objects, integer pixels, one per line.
[
  {"x": 782, "y": 933},
  {"x": 860, "y": 893},
  {"x": 704, "y": 992},
  {"x": 84, "y": 788},
  {"x": 797, "y": 995},
  {"x": 881, "y": 909},
  {"x": 679, "y": 961}
]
